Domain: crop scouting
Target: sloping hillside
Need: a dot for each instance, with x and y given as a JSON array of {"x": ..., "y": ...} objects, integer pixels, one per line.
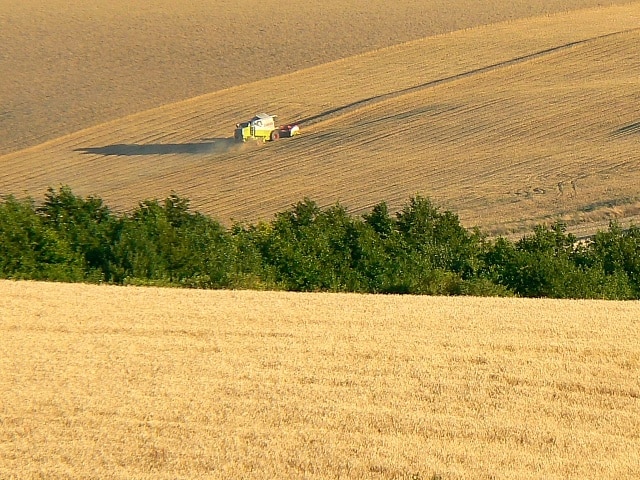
[
  {"x": 508, "y": 124},
  {"x": 70, "y": 64}
]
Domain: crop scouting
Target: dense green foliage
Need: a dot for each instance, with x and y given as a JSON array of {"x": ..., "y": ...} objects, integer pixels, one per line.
[{"x": 418, "y": 250}]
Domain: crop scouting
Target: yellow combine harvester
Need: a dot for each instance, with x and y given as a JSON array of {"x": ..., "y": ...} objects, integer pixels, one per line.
[{"x": 263, "y": 127}]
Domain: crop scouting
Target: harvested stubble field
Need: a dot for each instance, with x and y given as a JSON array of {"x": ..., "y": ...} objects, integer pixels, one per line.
[
  {"x": 69, "y": 64},
  {"x": 127, "y": 382},
  {"x": 509, "y": 124}
]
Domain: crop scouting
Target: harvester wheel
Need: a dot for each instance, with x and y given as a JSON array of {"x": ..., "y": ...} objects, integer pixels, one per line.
[{"x": 275, "y": 135}]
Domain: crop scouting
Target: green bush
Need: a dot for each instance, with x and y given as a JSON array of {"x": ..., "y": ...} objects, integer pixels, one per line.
[
  {"x": 418, "y": 250},
  {"x": 165, "y": 242},
  {"x": 29, "y": 249}
]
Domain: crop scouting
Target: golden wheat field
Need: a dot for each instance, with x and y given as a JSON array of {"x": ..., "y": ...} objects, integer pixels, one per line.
[
  {"x": 508, "y": 124},
  {"x": 150, "y": 383}
]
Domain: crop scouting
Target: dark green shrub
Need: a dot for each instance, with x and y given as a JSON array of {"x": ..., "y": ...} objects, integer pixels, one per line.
[
  {"x": 86, "y": 224},
  {"x": 419, "y": 250},
  {"x": 29, "y": 249}
]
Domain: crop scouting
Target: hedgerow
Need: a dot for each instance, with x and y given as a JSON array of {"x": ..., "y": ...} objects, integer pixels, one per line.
[{"x": 418, "y": 250}]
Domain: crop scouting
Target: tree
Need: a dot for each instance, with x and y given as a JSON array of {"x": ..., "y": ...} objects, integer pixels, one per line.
[
  {"x": 86, "y": 224},
  {"x": 29, "y": 249},
  {"x": 166, "y": 242}
]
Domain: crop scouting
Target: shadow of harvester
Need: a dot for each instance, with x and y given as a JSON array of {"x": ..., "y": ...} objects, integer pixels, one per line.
[{"x": 216, "y": 145}]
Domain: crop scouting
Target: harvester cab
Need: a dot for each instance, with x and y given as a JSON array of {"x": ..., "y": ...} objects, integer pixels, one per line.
[{"x": 263, "y": 127}]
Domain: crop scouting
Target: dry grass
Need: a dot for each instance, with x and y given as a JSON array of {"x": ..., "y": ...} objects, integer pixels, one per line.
[{"x": 117, "y": 382}]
